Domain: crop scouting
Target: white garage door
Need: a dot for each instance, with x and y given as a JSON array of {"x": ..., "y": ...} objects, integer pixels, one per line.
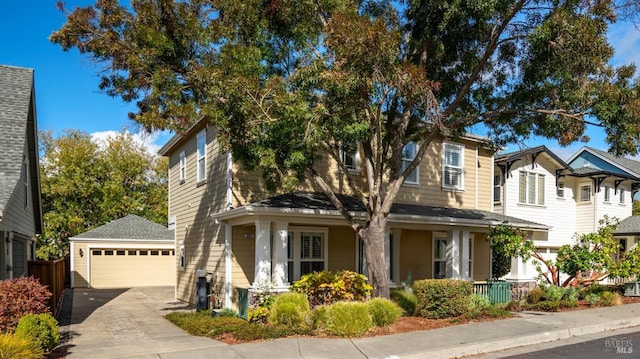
[{"x": 124, "y": 268}]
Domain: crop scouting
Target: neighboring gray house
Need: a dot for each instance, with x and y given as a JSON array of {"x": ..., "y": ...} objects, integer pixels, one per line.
[
  {"x": 20, "y": 203},
  {"x": 128, "y": 252}
]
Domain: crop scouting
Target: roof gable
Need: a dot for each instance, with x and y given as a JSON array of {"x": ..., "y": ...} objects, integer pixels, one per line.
[
  {"x": 129, "y": 227},
  {"x": 602, "y": 160},
  {"x": 19, "y": 130}
]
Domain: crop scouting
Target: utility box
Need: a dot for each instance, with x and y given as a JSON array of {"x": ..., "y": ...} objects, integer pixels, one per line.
[
  {"x": 243, "y": 302},
  {"x": 202, "y": 290}
]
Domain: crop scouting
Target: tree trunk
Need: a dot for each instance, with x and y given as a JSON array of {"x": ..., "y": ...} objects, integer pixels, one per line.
[{"x": 373, "y": 236}]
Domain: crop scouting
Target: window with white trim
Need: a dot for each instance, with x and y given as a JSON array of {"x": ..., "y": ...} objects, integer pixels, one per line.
[
  {"x": 350, "y": 157},
  {"x": 622, "y": 195},
  {"x": 585, "y": 193},
  {"x": 531, "y": 188},
  {"x": 497, "y": 188},
  {"x": 453, "y": 166},
  {"x": 560, "y": 190},
  {"x": 201, "y": 158},
  {"x": 439, "y": 256},
  {"x": 183, "y": 166},
  {"x": 306, "y": 252},
  {"x": 607, "y": 194},
  {"x": 408, "y": 154}
]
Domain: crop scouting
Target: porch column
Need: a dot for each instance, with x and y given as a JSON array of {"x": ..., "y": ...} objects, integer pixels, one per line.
[
  {"x": 280, "y": 254},
  {"x": 387, "y": 252},
  {"x": 262, "y": 273},
  {"x": 464, "y": 255},
  {"x": 453, "y": 254}
]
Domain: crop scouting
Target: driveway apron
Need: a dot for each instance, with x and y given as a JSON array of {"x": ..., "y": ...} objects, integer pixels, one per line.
[{"x": 121, "y": 323}]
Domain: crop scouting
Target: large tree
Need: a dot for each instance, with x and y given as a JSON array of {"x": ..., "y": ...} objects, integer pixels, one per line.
[
  {"x": 86, "y": 183},
  {"x": 287, "y": 80}
]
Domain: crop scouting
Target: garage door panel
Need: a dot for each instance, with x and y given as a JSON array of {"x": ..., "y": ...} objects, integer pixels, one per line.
[{"x": 128, "y": 268}]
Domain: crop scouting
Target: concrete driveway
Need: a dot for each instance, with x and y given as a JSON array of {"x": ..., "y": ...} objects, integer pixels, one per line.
[{"x": 125, "y": 323}]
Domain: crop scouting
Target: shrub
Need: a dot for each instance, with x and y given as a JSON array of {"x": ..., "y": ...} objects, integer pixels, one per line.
[
  {"x": 199, "y": 323},
  {"x": 289, "y": 309},
  {"x": 610, "y": 299},
  {"x": 319, "y": 317},
  {"x": 535, "y": 295},
  {"x": 572, "y": 294},
  {"x": 405, "y": 299},
  {"x": 21, "y": 296},
  {"x": 545, "y": 306},
  {"x": 478, "y": 304},
  {"x": 348, "y": 319},
  {"x": 442, "y": 298},
  {"x": 553, "y": 293},
  {"x": 328, "y": 287},
  {"x": 592, "y": 298},
  {"x": 514, "y": 306},
  {"x": 42, "y": 329},
  {"x": 258, "y": 315},
  {"x": 383, "y": 311},
  {"x": 12, "y": 347}
]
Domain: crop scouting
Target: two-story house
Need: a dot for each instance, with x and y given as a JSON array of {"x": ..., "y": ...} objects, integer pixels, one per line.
[
  {"x": 570, "y": 197},
  {"x": 227, "y": 224},
  {"x": 20, "y": 204}
]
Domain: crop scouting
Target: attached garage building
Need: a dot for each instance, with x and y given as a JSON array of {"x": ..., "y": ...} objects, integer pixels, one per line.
[{"x": 128, "y": 252}]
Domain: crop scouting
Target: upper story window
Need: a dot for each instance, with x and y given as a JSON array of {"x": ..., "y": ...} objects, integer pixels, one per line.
[
  {"x": 453, "y": 165},
  {"x": 560, "y": 190},
  {"x": 497, "y": 188},
  {"x": 585, "y": 193},
  {"x": 607, "y": 194},
  {"x": 183, "y": 166},
  {"x": 350, "y": 157},
  {"x": 201, "y": 146},
  {"x": 622, "y": 195},
  {"x": 408, "y": 154},
  {"x": 531, "y": 188}
]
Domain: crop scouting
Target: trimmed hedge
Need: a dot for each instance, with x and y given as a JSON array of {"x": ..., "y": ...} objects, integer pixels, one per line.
[
  {"x": 289, "y": 309},
  {"x": 383, "y": 311},
  {"x": 42, "y": 329},
  {"x": 442, "y": 298},
  {"x": 349, "y": 319}
]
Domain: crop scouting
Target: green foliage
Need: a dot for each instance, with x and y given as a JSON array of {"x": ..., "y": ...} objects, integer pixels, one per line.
[
  {"x": 198, "y": 323},
  {"x": 319, "y": 317},
  {"x": 592, "y": 298},
  {"x": 509, "y": 242},
  {"x": 42, "y": 329},
  {"x": 349, "y": 319},
  {"x": 259, "y": 314},
  {"x": 289, "y": 309},
  {"x": 13, "y": 347},
  {"x": 227, "y": 313},
  {"x": 86, "y": 184},
  {"x": 383, "y": 311},
  {"x": 406, "y": 299},
  {"x": 442, "y": 298},
  {"x": 477, "y": 305},
  {"x": 553, "y": 293},
  {"x": 535, "y": 295},
  {"x": 609, "y": 299},
  {"x": 19, "y": 297},
  {"x": 328, "y": 287}
]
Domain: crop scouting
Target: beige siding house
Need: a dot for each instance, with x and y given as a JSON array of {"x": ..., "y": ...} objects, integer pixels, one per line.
[
  {"x": 20, "y": 203},
  {"x": 229, "y": 226}
]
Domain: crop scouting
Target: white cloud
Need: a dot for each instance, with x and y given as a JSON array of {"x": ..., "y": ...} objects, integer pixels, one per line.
[
  {"x": 625, "y": 39},
  {"x": 147, "y": 140}
]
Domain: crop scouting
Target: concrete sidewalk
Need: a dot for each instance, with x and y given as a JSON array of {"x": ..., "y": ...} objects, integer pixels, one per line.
[{"x": 130, "y": 324}]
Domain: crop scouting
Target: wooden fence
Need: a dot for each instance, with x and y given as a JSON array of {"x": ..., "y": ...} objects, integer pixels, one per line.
[{"x": 51, "y": 274}]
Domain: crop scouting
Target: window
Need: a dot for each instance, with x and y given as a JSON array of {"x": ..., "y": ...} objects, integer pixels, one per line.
[
  {"x": 408, "y": 154},
  {"x": 622, "y": 194},
  {"x": 132, "y": 253},
  {"x": 452, "y": 171},
  {"x": 183, "y": 166},
  {"x": 531, "y": 188},
  {"x": 471, "y": 237},
  {"x": 362, "y": 257},
  {"x": 143, "y": 253},
  {"x": 120, "y": 252},
  {"x": 201, "y": 155},
  {"x": 497, "y": 188},
  {"x": 108, "y": 252},
  {"x": 350, "y": 157},
  {"x": 96, "y": 252},
  {"x": 154, "y": 253},
  {"x": 585, "y": 193},
  {"x": 560, "y": 190},
  {"x": 607, "y": 194},
  {"x": 306, "y": 252},
  {"x": 440, "y": 257}
]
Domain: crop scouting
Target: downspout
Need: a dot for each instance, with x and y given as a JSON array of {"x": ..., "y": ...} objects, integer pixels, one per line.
[{"x": 228, "y": 256}]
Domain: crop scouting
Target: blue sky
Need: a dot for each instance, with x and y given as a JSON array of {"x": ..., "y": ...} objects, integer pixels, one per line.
[{"x": 67, "y": 93}]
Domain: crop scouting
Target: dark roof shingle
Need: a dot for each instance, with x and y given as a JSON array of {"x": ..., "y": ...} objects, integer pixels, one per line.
[{"x": 129, "y": 227}]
